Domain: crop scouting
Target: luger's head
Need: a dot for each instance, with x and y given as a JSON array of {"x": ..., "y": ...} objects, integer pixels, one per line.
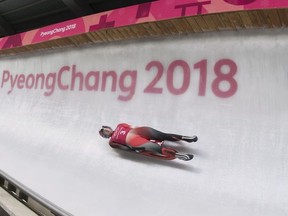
[{"x": 106, "y": 132}]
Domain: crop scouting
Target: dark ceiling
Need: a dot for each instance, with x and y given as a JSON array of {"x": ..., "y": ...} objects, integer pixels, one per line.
[{"x": 18, "y": 16}]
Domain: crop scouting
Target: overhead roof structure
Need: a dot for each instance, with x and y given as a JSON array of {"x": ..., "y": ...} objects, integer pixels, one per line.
[{"x": 18, "y": 16}]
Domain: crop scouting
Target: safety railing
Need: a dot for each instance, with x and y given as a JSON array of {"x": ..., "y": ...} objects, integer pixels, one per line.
[{"x": 32, "y": 200}]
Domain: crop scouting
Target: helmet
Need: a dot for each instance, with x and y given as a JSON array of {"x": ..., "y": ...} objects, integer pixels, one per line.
[{"x": 102, "y": 132}]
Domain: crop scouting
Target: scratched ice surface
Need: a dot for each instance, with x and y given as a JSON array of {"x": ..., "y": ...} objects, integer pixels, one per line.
[{"x": 51, "y": 143}]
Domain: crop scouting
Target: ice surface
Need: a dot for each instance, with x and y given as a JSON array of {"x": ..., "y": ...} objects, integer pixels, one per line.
[{"x": 51, "y": 143}]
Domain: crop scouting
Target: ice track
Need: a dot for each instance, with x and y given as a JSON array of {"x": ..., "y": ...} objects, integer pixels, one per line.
[{"x": 50, "y": 143}]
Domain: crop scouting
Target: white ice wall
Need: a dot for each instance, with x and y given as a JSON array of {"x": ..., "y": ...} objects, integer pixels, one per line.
[{"x": 51, "y": 143}]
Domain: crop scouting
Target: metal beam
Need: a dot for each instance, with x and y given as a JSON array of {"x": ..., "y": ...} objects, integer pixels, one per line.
[
  {"x": 5, "y": 27},
  {"x": 79, "y": 8}
]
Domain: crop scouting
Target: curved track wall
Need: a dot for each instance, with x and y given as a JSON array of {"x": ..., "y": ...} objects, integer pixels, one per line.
[{"x": 230, "y": 89}]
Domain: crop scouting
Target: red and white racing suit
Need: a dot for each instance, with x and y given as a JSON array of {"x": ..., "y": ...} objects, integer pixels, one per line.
[{"x": 143, "y": 140}]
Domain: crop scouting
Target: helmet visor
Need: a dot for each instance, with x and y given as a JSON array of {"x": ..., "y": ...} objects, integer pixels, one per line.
[{"x": 106, "y": 131}]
